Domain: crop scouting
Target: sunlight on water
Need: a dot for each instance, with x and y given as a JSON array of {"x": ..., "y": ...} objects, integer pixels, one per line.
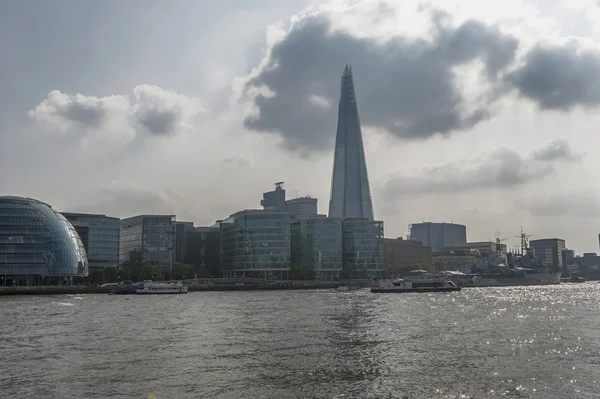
[{"x": 532, "y": 342}]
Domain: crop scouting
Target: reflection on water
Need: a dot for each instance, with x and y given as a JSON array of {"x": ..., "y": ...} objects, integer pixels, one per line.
[{"x": 539, "y": 342}]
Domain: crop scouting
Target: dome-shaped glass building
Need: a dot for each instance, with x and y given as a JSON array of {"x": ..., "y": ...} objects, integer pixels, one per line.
[{"x": 37, "y": 244}]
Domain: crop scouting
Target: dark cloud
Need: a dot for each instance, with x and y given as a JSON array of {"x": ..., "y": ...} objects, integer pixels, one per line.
[
  {"x": 558, "y": 149},
  {"x": 503, "y": 168},
  {"x": 584, "y": 204},
  {"x": 406, "y": 86},
  {"x": 157, "y": 122},
  {"x": 559, "y": 78}
]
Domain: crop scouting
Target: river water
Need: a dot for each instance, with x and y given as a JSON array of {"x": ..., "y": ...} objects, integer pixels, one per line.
[{"x": 538, "y": 342}]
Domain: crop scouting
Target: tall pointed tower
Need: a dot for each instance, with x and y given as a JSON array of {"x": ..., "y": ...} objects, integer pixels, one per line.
[{"x": 350, "y": 192}]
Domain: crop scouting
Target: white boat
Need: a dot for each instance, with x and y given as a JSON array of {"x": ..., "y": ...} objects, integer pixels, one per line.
[
  {"x": 157, "y": 287},
  {"x": 420, "y": 285}
]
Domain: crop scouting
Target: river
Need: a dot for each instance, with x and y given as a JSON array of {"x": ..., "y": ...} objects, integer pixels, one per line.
[{"x": 538, "y": 342}]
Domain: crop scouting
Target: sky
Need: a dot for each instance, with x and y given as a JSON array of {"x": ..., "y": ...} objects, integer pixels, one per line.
[{"x": 479, "y": 113}]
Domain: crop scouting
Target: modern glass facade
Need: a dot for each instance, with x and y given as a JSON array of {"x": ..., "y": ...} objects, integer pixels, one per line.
[
  {"x": 37, "y": 242},
  {"x": 100, "y": 236},
  {"x": 438, "y": 235},
  {"x": 350, "y": 191},
  {"x": 316, "y": 244},
  {"x": 256, "y": 243},
  {"x": 362, "y": 246},
  {"x": 147, "y": 240},
  {"x": 181, "y": 232}
]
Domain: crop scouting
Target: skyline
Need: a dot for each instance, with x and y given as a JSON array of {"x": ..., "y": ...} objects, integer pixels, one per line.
[{"x": 177, "y": 115}]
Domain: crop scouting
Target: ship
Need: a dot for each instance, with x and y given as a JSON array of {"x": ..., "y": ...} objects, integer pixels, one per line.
[
  {"x": 504, "y": 269},
  {"x": 511, "y": 269}
]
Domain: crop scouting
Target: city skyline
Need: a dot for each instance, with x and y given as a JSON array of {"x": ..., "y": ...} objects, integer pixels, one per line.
[{"x": 185, "y": 117}]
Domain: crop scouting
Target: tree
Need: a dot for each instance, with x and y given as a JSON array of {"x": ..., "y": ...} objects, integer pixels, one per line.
[
  {"x": 180, "y": 271},
  {"x": 420, "y": 266}
]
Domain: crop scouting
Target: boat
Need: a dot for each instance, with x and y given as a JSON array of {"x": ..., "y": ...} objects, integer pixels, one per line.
[
  {"x": 157, "y": 287},
  {"x": 420, "y": 285}
]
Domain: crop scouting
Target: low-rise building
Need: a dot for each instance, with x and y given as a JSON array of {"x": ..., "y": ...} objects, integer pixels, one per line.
[
  {"x": 401, "y": 255},
  {"x": 100, "y": 237}
]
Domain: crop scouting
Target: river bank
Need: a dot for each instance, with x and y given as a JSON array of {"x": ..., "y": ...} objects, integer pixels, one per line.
[{"x": 78, "y": 289}]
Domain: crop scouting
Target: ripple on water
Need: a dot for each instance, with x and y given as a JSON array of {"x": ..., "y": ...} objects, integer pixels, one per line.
[{"x": 538, "y": 342}]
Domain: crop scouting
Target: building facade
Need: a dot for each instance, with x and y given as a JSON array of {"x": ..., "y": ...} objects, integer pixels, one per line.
[
  {"x": 37, "y": 244},
  {"x": 181, "y": 232},
  {"x": 402, "y": 256},
  {"x": 303, "y": 206},
  {"x": 316, "y": 246},
  {"x": 362, "y": 249},
  {"x": 438, "y": 235},
  {"x": 147, "y": 241},
  {"x": 274, "y": 200},
  {"x": 203, "y": 247},
  {"x": 100, "y": 236},
  {"x": 350, "y": 191},
  {"x": 484, "y": 247},
  {"x": 549, "y": 251},
  {"x": 256, "y": 244}
]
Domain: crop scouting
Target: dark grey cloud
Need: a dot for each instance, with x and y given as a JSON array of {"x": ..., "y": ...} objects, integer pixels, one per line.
[
  {"x": 158, "y": 122},
  {"x": 406, "y": 86},
  {"x": 558, "y": 149},
  {"x": 559, "y": 77},
  {"x": 584, "y": 204},
  {"x": 503, "y": 168}
]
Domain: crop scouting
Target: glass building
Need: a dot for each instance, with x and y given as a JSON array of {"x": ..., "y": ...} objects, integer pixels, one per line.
[
  {"x": 256, "y": 244},
  {"x": 362, "y": 247},
  {"x": 37, "y": 244},
  {"x": 147, "y": 240},
  {"x": 350, "y": 191},
  {"x": 316, "y": 244},
  {"x": 100, "y": 236}
]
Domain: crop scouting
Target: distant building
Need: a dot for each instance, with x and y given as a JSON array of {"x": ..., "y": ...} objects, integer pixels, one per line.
[
  {"x": 550, "y": 251},
  {"x": 438, "y": 235},
  {"x": 100, "y": 237},
  {"x": 401, "y": 255},
  {"x": 181, "y": 232},
  {"x": 256, "y": 244},
  {"x": 484, "y": 247},
  {"x": 456, "y": 260},
  {"x": 274, "y": 200},
  {"x": 147, "y": 241},
  {"x": 203, "y": 246},
  {"x": 301, "y": 206},
  {"x": 362, "y": 248},
  {"x": 316, "y": 245},
  {"x": 350, "y": 191}
]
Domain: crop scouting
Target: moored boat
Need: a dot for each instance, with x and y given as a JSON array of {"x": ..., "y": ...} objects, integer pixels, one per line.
[
  {"x": 421, "y": 285},
  {"x": 157, "y": 287}
]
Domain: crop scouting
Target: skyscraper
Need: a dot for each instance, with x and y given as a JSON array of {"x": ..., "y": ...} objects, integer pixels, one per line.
[{"x": 350, "y": 192}]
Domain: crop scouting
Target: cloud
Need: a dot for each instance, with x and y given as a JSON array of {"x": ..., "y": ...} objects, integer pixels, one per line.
[
  {"x": 584, "y": 204},
  {"x": 502, "y": 168},
  {"x": 559, "y": 77},
  {"x": 558, "y": 149},
  {"x": 155, "y": 111},
  {"x": 407, "y": 86},
  {"x": 237, "y": 160}
]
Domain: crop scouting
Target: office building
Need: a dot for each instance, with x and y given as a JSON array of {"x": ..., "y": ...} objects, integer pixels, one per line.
[
  {"x": 362, "y": 249},
  {"x": 147, "y": 241},
  {"x": 100, "y": 237},
  {"x": 438, "y": 235},
  {"x": 256, "y": 244},
  {"x": 350, "y": 192},
  {"x": 303, "y": 206},
  {"x": 402, "y": 256},
  {"x": 203, "y": 247},
  {"x": 316, "y": 246},
  {"x": 549, "y": 251},
  {"x": 484, "y": 247},
  {"x": 181, "y": 233},
  {"x": 38, "y": 245},
  {"x": 274, "y": 200}
]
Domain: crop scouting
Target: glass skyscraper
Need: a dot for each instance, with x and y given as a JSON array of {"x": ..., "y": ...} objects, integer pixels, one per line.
[
  {"x": 362, "y": 245},
  {"x": 100, "y": 236},
  {"x": 350, "y": 192},
  {"x": 147, "y": 240}
]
